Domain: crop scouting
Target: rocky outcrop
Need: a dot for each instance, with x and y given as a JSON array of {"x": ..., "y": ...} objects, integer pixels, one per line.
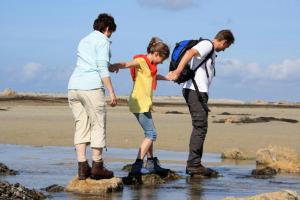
[
  {"x": 282, "y": 195},
  {"x": 95, "y": 187},
  {"x": 235, "y": 154},
  {"x": 4, "y": 170},
  {"x": 279, "y": 158},
  {"x": 8, "y": 92},
  {"x": 16, "y": 191}
]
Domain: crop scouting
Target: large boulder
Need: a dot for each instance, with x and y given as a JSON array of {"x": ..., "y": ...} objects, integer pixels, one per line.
[
  {"x": 279, "y": 158},
  {"x": 4, "y": 170},
  {"x": 235, "y": 154},
  {"x": 16, "y": 191},
  {"x": 282, "y": 195},
  {"x": 95, "y": 187}
]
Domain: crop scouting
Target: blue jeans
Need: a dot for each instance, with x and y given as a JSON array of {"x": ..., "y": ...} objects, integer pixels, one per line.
[{"x": 146, "y": 122}]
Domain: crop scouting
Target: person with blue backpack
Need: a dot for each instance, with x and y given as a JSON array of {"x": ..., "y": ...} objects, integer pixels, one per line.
[{"x": 193, "y": 64}]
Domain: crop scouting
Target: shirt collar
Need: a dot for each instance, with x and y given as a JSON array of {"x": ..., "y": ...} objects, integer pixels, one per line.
[{"x": 102, "y": 35}]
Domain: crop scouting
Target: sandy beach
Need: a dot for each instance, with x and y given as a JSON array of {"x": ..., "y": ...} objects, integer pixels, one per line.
[{"x": 40, "y": 123}]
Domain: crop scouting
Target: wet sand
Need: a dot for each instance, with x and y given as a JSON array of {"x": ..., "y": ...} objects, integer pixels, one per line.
[{"x": 38, "y": 123}]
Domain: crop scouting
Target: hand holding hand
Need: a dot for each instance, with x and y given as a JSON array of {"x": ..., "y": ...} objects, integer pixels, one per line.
[
  {"x": 172, "y": 76},
  {"x": 168, "y": 77},
  {"x": 113, "y": 68}
]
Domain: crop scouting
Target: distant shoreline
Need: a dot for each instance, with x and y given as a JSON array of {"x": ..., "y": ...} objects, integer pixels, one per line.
[{"x": 160, "y": 101}]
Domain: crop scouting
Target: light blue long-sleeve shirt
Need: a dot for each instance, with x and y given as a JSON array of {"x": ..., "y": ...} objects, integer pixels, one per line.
[{"x": 93, "y": 57}]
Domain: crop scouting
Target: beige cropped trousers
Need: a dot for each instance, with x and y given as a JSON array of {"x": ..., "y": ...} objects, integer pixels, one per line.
[{"x": 89, "y": 112}]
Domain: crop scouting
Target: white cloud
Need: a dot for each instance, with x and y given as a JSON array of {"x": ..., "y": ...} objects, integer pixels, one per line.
[
  {"x": 31, "y": 69},
  {"x": 168, "y": 4},
  {"x": 34, "y": 76},
  {"x": 288, "y": 69}
]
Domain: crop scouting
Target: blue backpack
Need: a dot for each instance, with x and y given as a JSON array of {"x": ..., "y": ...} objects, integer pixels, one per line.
[{"x": 178, "y": 53}]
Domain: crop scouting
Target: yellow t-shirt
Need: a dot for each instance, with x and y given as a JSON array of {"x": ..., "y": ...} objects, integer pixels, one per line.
[{"x": 140, "y": 99}]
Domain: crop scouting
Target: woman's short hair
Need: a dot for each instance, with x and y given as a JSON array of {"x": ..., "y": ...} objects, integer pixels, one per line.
[{"x": 104, "y": 20}]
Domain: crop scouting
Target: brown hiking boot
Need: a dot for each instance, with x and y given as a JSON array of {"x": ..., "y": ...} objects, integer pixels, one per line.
[
  {"x": 84, "y": 170},
  {"x": 100, "y": 172},
  {"x": 201, "y": 170}
]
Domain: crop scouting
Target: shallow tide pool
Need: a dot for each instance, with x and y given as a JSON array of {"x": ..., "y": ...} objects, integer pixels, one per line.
[{"x": 40, "y": 167}]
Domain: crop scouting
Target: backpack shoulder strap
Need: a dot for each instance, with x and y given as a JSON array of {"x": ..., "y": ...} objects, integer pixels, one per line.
[
  {"x": 204, "y": 104},
  {"x": 206, "y": 58}
]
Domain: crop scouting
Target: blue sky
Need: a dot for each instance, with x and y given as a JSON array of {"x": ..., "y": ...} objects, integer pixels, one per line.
[{"x": 38, "y": 42}]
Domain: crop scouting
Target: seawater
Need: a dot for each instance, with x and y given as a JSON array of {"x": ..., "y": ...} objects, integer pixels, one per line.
[{"x": 40, "y": 167}]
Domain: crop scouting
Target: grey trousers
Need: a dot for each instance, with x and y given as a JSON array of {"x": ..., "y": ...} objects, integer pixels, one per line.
[{"x": 199, "y": 121}]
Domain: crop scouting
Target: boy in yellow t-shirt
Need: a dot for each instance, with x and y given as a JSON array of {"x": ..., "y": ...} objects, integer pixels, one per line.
[{"x": 144, "y": 74}]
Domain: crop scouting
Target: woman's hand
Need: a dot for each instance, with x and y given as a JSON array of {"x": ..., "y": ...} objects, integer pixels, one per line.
[{"x": 113, "y": 99}]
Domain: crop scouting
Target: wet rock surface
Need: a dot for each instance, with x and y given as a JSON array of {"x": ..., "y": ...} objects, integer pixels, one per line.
[
  {"x": 3, "y": 109},
  {"x": 16, "y": 191},
  {"x": 244, "y": 120},
  {"x": 94, "y": 187},
  {"x": 150, "y": 179},
  {"x": 54, "y": 188},
  {"x": 173, "y": 112},
  {"x": 235, "y": 154},
  {"x": 4, "y": 170},
  {"x": 127, "y": 167},
  {"x": 279, "y": 158},
  {"x": 282, "y": 195},
  {"x": 227, "y": 113},
  {"x": 264, "y": 173}
]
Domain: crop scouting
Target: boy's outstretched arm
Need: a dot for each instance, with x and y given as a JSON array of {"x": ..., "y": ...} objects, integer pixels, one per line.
[
  {"x": 162, "y": 78},
  {"x": 122, "y": 65}
]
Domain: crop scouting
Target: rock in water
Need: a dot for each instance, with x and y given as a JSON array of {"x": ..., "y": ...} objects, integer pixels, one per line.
[
  {"x": 282, "y": 195},
  {"x": 4, "y": 170},
  {"x": 150, "y": 179},
  {"x": 95, "y": 187},
  {"x": 127, "y": 167},
  {"x": 264, "y": 173},
  {"x": 235, "y": 154},
  {"x": 279, "y": 158},
  {"x": 54, "y": 188},
  {"x": 17, "y": 191}
]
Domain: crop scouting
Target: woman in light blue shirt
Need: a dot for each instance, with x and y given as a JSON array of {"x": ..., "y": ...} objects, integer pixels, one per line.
[{"x": 87, "y": 98}]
